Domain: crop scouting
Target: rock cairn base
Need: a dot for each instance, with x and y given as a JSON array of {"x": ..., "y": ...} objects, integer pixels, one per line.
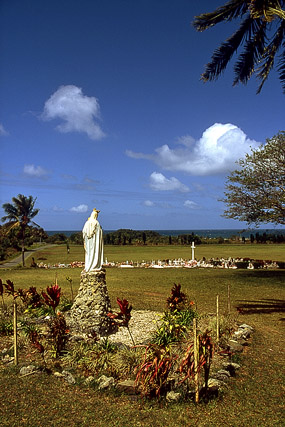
[{"x": 91, "y": 305}]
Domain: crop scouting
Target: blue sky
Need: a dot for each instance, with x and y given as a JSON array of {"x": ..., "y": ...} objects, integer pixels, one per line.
[{"x": 102, "y": 106}]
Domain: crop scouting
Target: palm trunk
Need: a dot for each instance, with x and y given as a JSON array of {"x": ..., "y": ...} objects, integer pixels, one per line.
[
  {"x": 23, "y": 254},
  {"x": 23, "y": 246}
]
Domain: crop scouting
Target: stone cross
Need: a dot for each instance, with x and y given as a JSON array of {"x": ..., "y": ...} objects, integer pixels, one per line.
[{"x": 193, "y": 252}]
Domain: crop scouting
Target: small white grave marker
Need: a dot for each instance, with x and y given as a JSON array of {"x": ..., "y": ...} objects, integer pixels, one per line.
[{"x": 193, "y": 251}]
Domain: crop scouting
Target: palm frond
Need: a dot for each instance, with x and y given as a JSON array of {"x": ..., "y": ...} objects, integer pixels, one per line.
[
  {"x": 11, "y": 211},
  {"x": 224, "y": 53},
  {"x": 253, "y": 51},
  {"x": 269, "y": 56},
  {"x": 281, "y": 68},
  {"x": 22, "y": 209},
  {"x": 227, "y": 12},
  {"x": 268, "y": 10}
]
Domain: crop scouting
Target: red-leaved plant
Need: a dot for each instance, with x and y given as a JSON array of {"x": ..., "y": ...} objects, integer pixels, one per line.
[
  {"x": 123, "y": 317},
  {"x": 206, "y": 353},
  {"x": 177, "y": 300},
  {"x": 30, "y": 297},
  {"x": 58, "y": 333},
  {"x": 52, "y": 297},
  {"x": 153, "y": 372},
  {"x": 10, "y": 289}
]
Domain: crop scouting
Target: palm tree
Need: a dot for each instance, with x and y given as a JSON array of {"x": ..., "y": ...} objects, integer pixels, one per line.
[
  {"x": 20, "y": 214},
  {"x": 261, "y": 32}
]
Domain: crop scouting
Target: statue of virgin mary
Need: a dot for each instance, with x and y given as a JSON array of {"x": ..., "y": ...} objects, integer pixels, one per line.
[{"x": 93, "y": 243}]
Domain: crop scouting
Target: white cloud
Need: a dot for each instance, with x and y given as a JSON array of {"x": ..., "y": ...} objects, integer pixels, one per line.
[
  {"x": 3, "y": 131},
  {"x": 77, "y": 111},
  {"x": 220, "y": 146},
  {"x": 148, "y": 203},
  {"x": 186, "y": 140},
  {"x": 159, "y": 182},
  {"x": 57, "y": 209},
  {"x": 35, "y": 171},
  {"x": 79, "y": 209},
  {"x": 190, "y": 204},
  {"x": 135, "y": 155}
]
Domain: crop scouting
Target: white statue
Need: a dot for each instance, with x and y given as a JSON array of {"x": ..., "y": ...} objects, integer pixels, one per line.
[{"x": 93, "y": 243}]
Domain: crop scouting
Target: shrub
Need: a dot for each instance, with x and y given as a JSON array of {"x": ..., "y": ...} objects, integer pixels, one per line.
[
  {"x": 6, "y": 326},
  {"x": 96, "y": 358},
  {"x": 153, "y": 372},
  {"x": 57, "y": 333},
  {"x": 123, "y": 317},
  {"x": 206, "y": 353},
  {"x": 127, "y": 359},
  {"x": 52, "y": 296},
  {"x": 30, "y": 297},
  {"x": 175, "y": 322},
  {"x": 173, "y": 327},
  {"x": 178, "y": 300},
  {"x": 65, "y": 304}
]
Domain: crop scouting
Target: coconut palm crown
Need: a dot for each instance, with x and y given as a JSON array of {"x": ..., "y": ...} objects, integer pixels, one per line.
[
  {"x": 261, "y": 32},
  {"x": 19, "y": 214}
]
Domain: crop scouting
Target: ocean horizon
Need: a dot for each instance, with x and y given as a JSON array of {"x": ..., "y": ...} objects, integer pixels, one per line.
[{"x": 210, "y": 233}]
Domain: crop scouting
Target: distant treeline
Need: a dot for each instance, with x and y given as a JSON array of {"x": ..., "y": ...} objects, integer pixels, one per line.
[
  {"x": 149, "y": 237},
  {"x": 10, "y": 242},
  {"x": 265, "y": 237},
  {"x": 130, "y": 237}
]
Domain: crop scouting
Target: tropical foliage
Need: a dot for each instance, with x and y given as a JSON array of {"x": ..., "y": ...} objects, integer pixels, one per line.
[
  {"x": 261, "y": 32},
  {"x": 52, "y": 296},
  {"x": 19, "y": 214},
  {"x": 255, "y": 193},
  {"x": 148, "y": 237}
]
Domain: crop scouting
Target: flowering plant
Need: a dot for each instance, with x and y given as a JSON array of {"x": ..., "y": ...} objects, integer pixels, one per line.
[
  {"x": 123, "y": 317},
  {"x": 177, "y": 300},
  {"x": 52, "y": 297}
]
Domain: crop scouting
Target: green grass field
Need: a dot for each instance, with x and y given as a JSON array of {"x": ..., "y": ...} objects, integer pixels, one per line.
[
  {"x": 148, "y": 253},
  {"x": 253, "y": 398}
]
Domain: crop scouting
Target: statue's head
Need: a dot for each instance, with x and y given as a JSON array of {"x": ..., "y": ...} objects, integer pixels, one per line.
[{"x": 95, "y": 213}]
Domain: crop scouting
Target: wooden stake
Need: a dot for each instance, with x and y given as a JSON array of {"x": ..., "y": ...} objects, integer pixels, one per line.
[
  {"x": 196, "y": 352},
  {"x": 15, "y": 333},
  {"x": 218, "y": 320},
  {"x": 229, "y": 299}
]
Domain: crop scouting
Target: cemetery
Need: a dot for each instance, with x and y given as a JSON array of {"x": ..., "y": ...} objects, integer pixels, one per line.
[{"x": 120, "y": 332}]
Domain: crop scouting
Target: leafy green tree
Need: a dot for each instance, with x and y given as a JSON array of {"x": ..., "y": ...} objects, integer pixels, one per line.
[
  {"x": 58, "y": 238},
  {"x": 76, "y": 238},
  {"x": 261, "y": 32},
  {"x": 255, "y": 192},
  {"x": 19, "y": 215}
]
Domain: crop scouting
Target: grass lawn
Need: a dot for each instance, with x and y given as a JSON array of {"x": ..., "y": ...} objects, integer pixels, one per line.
[
  {"x": 148, "y": 253},
  {"x": 254, "y": 397}
]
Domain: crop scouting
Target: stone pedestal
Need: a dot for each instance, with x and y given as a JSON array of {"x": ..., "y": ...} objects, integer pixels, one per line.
[{"x": 91, "y": 305}]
